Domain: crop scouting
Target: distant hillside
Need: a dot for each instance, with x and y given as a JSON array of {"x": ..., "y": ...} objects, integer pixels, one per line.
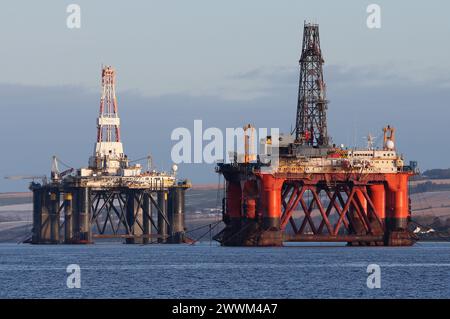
[
  {"x": 429, "y": 185},
  {"x": 437, "y": 173},
  {"x": 432, "y": 180},
  {"x": 15, "y": 198}
]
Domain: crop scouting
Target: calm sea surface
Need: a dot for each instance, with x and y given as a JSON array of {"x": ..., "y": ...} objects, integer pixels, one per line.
[{"x": 209, "y": 271}]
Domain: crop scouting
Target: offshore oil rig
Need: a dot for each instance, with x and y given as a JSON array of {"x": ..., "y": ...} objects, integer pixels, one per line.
[
  {"x": 112, "y": 197},
  {"x": 306, "y": 189}
]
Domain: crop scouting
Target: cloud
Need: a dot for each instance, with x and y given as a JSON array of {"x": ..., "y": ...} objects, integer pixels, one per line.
[
  {"x": 38, "y": 122},
  {"x": 342, "y": 76}
]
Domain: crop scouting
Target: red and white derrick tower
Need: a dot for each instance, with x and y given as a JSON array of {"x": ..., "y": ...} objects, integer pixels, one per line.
[
  {"x": 108, "y": 109},
  {"x": 108, "y": 152}
]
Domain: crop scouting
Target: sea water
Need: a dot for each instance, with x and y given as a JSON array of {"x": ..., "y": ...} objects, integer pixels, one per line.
[{"x": 205, "y": 270}]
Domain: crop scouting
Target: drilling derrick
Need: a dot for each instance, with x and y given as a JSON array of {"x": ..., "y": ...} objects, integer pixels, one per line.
[
  {"x": 311, "y": 124},
  {"x": 108, "y": 151},
  {"x": 110, "y": 198},
  {"x": 108, "y": 157},
  {"x": 305, "y": 189},
  {"x": 108, "y": 120}
]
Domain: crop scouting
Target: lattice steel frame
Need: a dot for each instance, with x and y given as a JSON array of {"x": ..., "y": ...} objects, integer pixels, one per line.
[
  {"x": 352, "y": 216},
  {"x": 311, "y": 123}
]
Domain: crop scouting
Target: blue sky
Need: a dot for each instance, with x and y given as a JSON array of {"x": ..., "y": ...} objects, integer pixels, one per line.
[{"x": 226, "y": 62}]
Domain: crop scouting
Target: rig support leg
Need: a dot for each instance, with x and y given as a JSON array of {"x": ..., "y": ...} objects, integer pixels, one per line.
[
  {"x": 37, "y": 209},
  {"x": 176, "y": 215},
  {"x": 146, "y": 218},
  {"x": 45, "y": 235},
  {"x": 271, "y": 205},
  {"x": 232, "y": 215},
  {"x": 162, "y": 217},
  {"x": 54, "y": 217},
  {"x": 378, "y": 198},
  {"x": 68, "y": 219},
  {"x": 134, "y": 218},
  {"x": 82, "y": 216},
  {"x": 397, "y": 218},
  {"x": 130, "y": 217},
  {"x": 249, "y": 215}
]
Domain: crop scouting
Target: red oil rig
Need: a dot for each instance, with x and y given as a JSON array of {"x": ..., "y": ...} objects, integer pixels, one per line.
[{"x": 305, "y": 189}]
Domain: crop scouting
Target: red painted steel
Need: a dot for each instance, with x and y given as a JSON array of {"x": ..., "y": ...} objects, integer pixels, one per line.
[
  {"x": 368, "y": 212},
  {"x": 271, "y": 196},
  {"x": 378, "y": 197}
]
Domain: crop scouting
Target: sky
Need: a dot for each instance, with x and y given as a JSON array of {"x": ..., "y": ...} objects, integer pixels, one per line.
[{"x": 227, "y": 63}]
